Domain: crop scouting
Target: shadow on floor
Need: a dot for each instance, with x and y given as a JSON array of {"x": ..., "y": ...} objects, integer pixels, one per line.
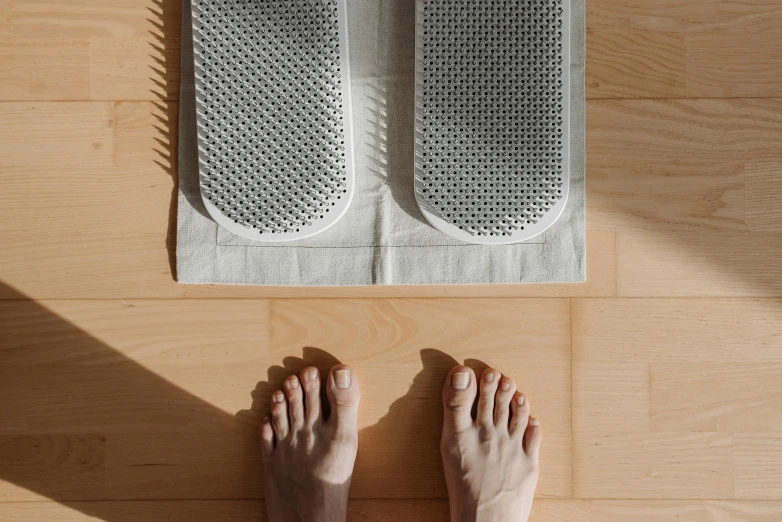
[{"x": 84, "y": 423}]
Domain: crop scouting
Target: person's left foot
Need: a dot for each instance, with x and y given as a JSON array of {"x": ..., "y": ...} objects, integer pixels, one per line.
[{"x": 308, "y": 462}]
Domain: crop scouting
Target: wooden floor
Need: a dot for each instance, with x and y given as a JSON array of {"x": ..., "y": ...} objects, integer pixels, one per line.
[{"x": 125, "y": 396}]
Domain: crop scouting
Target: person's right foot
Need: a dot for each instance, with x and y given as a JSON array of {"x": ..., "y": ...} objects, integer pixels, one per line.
[
  {"x": 491, "y": 462},
  {"x": 308, "y": 461}
]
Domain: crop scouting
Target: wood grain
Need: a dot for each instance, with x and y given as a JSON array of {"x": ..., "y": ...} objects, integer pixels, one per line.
[
  {"x": 758, "y": 468},
  {"x": 635, "y": 64},
  {"x": 653, "y": 465},
  {"x": 676, "y": 330},
  {"x": 45, "y": 69},
  {"x": 659, "y": 133},
  {"x": 732, "y": 397},
  {"x": 685, "y": 511},
  {"x": 65, "y": 467},
  {"x": 763, "y": 182},
  {"x": 359, "y": 510},
  {"x": 134, "y": 68},
  {"x": 56, "y": 135},
  {"x": 88, "y": 18},
  {"x": 610, "y": 397},
  {"x": 706, "y": 263},
  {"x": 732, "y": 62}
]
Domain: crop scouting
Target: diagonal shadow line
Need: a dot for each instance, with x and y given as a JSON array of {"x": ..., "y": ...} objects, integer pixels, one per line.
[{"x": 88, "y": 427}]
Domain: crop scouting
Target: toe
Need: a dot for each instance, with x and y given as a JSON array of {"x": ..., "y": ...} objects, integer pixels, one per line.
[
  {"x": 488, "y": 386},
  {"x": 279, "y": 415},
  {"x": 344, "y": 394},
  {"x": 310, "y": 381},
  {"x": 295, "y": 399},
  {"x": 532, "y": 438},
  {"x": 458, "y": 397},
  {"x": 267, "y": 439},
  {"x": 502, "y": 399},
  {"x": 519, "y": 408}
]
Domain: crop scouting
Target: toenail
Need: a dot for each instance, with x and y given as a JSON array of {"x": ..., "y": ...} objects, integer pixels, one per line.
[
  {"x": 489, "y": 377},
  {"x": 534, "y": 422},
  {"x": 520, "y": 400},
  {"x": 342, "y": 378},
  {"x": 278, "y": 397},
  {"x": 293, "y": 384},
  {"x": 460, "y": 380},
  {"x": 312, "y": 375},
  {"x": 505, "y": 386}
]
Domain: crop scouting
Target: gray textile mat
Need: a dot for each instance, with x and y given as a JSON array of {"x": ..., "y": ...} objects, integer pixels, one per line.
[{"x": 383, "y": 239}]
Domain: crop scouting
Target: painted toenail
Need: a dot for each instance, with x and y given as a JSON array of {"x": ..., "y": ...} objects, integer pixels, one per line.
[
  {"x": 312, "y": 375},
  {"x": 520, "y": 400},
  {"x": 505, "y": 386},
  {"x": 278, "y": 397},
  {"x": 489, "y": 377},
  {"x": 534, "y": 423},
  {"x": 460, "y": 380},
  {"x": 342, "y": 378},
  {"x": 293, "y": 384}
]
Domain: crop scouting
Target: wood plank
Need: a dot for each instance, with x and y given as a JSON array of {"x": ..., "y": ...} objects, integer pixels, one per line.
[
  {"x": 758, "y": 466},
  {"x": 56, "y": 135},
  {"x": 134, "y": 68},
  {"x": 222, "y": 463},
  {"x": 676, "y": 330},
  {"x": 656, "y": 133},
  {"x": 168, "y": 364},
  {"x": 535, "y": 331},
  {"x": 672, "y": 197},
  {"x": 87, "y": 18},
  {"x": 653, "y": 466},
  {"x": 731, "y": 62},
  {"x": 13, "y": 401},
  {"x": 129, "y": 250},
  {"x": 359, "y": 510},
  {"x": 142, "y": 137},
  {"x": 684, "y": 15},
  {"x": 685, "y": 511},
  {"x": 763, "y": 181},
  {"x": 678, "y": 59},
  {"x": 146, "y": 135},
  {"x": 722, "y": 397},
  {"x": 705, "y": 263},
  {"x": 130, "y": 201},
  {"x": 635, "y": 64},
  {"x": 610, "y": 397},
  {"x": 55, "y": 466},
  {"x": 45, "y": 69},
  {"x": 79, "y": 266}
]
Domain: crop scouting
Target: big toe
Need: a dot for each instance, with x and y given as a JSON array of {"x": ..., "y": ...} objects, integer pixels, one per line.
[
  {"x": 458, "y": 396},
  {"x": 344, "y": 395}
]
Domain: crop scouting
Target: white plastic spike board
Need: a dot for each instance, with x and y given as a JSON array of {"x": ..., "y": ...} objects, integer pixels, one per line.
[
  {"x": 492, "y": 116},
  {"x": 273, "y": 114}
]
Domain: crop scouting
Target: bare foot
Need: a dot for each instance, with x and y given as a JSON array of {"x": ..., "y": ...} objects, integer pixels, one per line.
[
  {"x": 308, "y": 462},
  {"x": 491, "y": 463}
]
